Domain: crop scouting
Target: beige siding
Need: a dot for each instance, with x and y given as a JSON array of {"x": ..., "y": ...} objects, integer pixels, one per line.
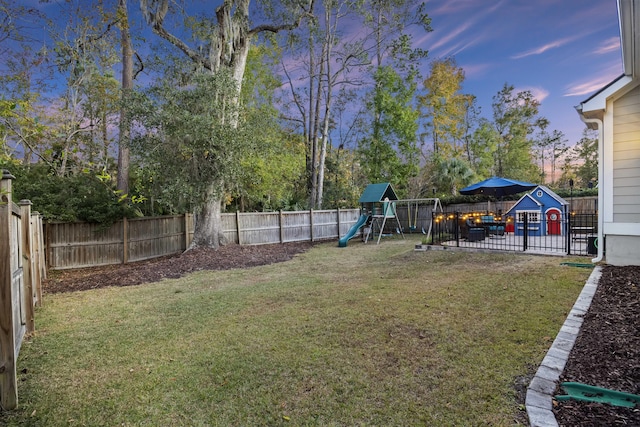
[{"x": 626, "y": 158}]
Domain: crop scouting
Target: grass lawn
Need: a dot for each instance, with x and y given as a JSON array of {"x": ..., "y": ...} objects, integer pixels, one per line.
[{"x": 363, "y": 335}]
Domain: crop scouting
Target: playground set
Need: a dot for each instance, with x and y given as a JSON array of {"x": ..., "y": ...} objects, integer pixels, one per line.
[{"x": 379, "y": 208}]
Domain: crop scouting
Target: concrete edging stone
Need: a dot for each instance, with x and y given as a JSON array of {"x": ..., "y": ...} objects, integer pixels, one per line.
[{"x": 539, "y": 400}]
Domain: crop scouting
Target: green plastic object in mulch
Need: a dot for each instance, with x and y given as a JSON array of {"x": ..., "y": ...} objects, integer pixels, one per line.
[
  {"x": 577, "y": 264},
  {"x": 589, "y": 393}
]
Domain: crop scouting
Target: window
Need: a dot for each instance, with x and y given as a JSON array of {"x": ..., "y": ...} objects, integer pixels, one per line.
[{"x": 532, "y": 216}]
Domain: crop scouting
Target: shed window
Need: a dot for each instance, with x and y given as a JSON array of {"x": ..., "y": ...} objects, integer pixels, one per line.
[{"x": 532, "y": 216}]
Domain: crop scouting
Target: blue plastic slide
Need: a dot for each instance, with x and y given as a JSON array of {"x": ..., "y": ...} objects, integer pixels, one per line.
[{"x": 342, "y": 243}]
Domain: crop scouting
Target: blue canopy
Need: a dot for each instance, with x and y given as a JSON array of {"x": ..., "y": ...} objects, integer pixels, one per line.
[{"x": 498, "y": 187}]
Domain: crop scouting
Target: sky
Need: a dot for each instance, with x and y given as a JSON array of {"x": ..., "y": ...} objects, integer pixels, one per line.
[{"x": 561, "y": 50}]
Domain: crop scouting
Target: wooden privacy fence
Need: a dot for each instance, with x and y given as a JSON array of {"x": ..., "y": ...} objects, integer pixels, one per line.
[
  {"x": 22, "y": 269},
  {"x": 578, "y": 204},
  {"x": 76, "y": 245}
]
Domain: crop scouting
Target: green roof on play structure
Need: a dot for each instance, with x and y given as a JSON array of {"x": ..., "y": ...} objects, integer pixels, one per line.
[{"x": 377, "y": 193}]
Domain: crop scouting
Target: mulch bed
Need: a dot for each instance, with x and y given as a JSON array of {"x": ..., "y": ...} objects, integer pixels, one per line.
[
  {"x": 171, "y": 267},
  {"x": 606, "y": 353}
]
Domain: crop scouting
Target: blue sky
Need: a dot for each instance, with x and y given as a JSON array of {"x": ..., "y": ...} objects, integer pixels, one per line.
[{"x": 560, "y": 50}]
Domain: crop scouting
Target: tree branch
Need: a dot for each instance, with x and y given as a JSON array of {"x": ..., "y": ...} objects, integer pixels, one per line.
[
  {"x": 306, "y": 13},
  {"x": 141, "y": 68},
  {"x": 191, "y": 53}
]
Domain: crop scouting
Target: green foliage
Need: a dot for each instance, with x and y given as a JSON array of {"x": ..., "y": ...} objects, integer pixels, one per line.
[
  {"x": 503, "y": 147},
  {"x": 445, "y": 107},
  {"x": 19, "y": 123},
  {"x": 271, "y": 175},
  {"x": 566, "y": 192},
  {"x": 344, "y": 182},
  {"x": 193, "y": 135},
  {"x": 390, "y": 152},
  {"x": 585, "y": 152},
  {"x": 81, "y": 197},
  {"x": 272, "y": 178},
  {"x": 452, "y": 174}
]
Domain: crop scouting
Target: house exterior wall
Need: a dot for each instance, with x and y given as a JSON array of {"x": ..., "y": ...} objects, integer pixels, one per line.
[
  {"x": 622, "y": 250},
  {"x": 626, "y": 158},
  {"x": 620, "y": 183}
]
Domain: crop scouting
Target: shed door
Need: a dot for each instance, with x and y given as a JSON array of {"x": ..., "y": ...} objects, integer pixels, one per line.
[{"x": 553, "y": 222}]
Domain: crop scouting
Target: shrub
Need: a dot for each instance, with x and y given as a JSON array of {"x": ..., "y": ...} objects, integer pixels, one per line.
[{"x": 79, "y": 197}]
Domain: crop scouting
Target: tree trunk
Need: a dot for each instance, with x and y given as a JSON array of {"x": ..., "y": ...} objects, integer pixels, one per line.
[
  {"x": 312, "y": 136},
  {"x": 326, "y": 71},
  {"x": 208, "y": 222},
  {"x": 127, "y": 86}
]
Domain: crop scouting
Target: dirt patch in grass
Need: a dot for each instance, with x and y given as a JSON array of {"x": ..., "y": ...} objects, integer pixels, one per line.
[
  {"x": 171, "y": 267},
  {"x": 607, "y": 351}
]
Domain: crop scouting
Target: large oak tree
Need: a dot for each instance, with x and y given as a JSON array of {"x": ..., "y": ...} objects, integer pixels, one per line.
[{"x": 221, "y": 45}]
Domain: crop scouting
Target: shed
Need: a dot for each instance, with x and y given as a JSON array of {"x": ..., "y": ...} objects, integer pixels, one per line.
[{"x": 543, "y": 210}]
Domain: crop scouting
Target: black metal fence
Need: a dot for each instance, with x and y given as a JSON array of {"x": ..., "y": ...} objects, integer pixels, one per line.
[{"x": 551, "y": 233}]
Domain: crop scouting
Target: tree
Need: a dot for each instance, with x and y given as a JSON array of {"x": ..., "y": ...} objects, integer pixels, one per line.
[
  {"x": 506, "y": 140},
  {"x": 483, "y": 146},
  {"x": 193, "y": 139},
  {"x": 273, "y": 175},
  {"x": 445, "y": 108},
  {"x": 82, "y": 115},
  {"x": 451, "y": 174},
  {"x": 21, "y": 79},
  {"x": 327, "y": 61},
  {"x": 390, "y": 152},
  {"x": 14, "y": 23},
  {"x": 585, "y": 153},
  {"x": 224, "y": 50},
  {"x": 127, "y": 87},
  {"x": 549, "y": 146},
  {"x": 389, "y": 145}
]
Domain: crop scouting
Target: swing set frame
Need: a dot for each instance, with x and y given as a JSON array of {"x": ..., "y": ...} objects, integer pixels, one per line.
[{"x": 433, "y": 203}]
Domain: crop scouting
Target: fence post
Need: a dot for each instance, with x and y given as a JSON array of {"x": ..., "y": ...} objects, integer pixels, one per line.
[
  {"x": 186, "y": 231},
  {"x": 125, "y": 237},
  {"x": 37, "y": 249},
  {"x": 238, "y": 226},
  {"x": 47, "y": 245},
  {"x": 281, "y": 227},
  {"x": 457, "y": 228},
  {"x": 28, "y": 274},
  {"x": 338, "y": 221},
  {"x": 525, "y": 238},
  {"x": 8, "y": 377},
  {"x": 568, "y": 233},
  {"x": 311, "y": 222}
]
